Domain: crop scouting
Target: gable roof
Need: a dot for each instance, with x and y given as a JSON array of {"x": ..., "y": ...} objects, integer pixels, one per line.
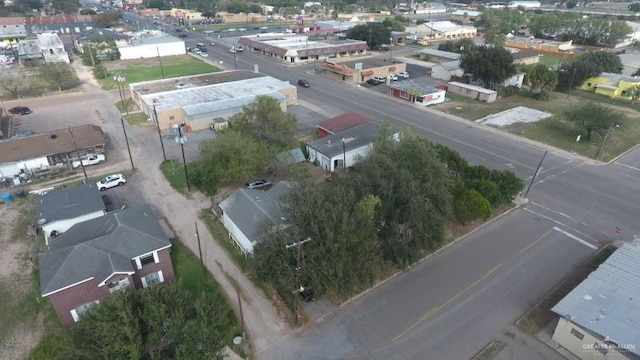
[
  {"x": 607, "y": 302},
  {"x": 354, "y": 138},
  {"x": 450, "y": 65},
  {"x": 343, "y": 122},
  {"x": 70, "y": 203},
  {"x": 440, "y": 53},
  {"x": 51, "y": 143},
  {"x": 100, "y": 247},
  {"x": 252, "y": 210}
]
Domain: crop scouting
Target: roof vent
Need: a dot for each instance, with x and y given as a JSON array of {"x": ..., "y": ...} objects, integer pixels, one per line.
[
  {"x": 53, "y": 135},
  {"x": 587, "y": 297}
]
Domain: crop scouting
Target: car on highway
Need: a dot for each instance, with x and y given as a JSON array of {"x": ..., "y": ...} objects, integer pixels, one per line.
[
  {"x": 22, "y": 133},
  {"x": 304, "y": 83},
  {"x": 207, "y": 32},
  {"x": 263, "y": 28},
  {"x": 213, "y": 44},
  {"x": 258, "y": 184},
  {"x": 20, "y": 110},
  {"x": 232, "y": 50},
  {"x": 403, "y": 75},
  {"x": 91, "y": 159},
  {"x": 242, "y": 29},
  {"x": 111, "y": 181}
]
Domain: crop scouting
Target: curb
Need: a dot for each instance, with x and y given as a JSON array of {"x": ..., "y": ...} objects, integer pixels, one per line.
[{"x": 437, "y": 252}]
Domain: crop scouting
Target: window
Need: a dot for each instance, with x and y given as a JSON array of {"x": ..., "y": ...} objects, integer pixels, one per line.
[
  {"x": 118, "y": 285},
  {"x": 147, "y": 259},
  {"x": 152, "y": 279},
  {"x": 81, "y": 310},
  {"x": 577, "y": 333}
]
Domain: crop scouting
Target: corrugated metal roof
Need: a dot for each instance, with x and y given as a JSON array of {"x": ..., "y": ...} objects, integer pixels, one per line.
[
  {"x": 607, "y": 303},
  {"x": 353, "y": 138},
  {"x": 440, "y": 53}
]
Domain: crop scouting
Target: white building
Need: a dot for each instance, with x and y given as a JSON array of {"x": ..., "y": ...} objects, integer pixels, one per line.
[
  {"x": 524, "y": 4},
  {"x": 142, "y": 48},
  {"x": 441, "y": 30},
  {"x": 445, "y": 70},
  {"x": 52, "y": 48}
]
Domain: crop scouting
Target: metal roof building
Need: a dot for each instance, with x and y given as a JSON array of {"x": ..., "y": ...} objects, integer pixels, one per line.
[{"x": 605, "y": 307}]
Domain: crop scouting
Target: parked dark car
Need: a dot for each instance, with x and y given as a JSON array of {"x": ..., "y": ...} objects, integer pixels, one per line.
[
  {"x": 258, "y": 184},
  {"x": 182, "y": 36},
  {"x": 20, "y": 110},
  {"x": 304, "y": 83}
]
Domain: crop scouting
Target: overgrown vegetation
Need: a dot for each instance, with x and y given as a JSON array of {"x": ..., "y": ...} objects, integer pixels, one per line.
[
  {"x": 384, "y": 214},
  {"x": 188, "y": 319}
]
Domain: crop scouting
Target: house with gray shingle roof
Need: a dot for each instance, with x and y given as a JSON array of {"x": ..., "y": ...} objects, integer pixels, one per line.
[
  {"x": 94, "y": 258},
  {"x": 248, "y": 215},
  {"x": 60, "y": 210}
]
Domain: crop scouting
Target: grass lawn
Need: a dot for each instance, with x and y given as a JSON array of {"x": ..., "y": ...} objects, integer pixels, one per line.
[
  {"x": 220, "y": 234},
  {"x": 149, "y": 69},
  {"x": 424, "y": 58},
  {"x": 174, "y": 172},
  {"x": 550, "y": 60},
  {"x": 540, "y": 315},
  {"x": 556, "y": 130},
  {"x": 136, "y": 118}
]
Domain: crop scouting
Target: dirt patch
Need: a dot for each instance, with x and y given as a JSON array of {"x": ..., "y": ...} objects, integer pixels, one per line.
[
  {"x": 123, "y": 64},
  {"x": 20, "y": 329}
]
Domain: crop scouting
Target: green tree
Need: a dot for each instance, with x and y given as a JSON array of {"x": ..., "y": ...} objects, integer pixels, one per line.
[
  {"x": 13, "y": 82},
  {"x": 540, "y": 78},
  {"x": 394, "y": 24},
  {"x": 471, "y": 205},
  {"x": 501, "y": 21},
  {"x": 585, "y": 66},
  {"x": 265, "y": 120},
  {"x": 593, "y": 118},
  {"x": 65, "y": 6},
  {"x": 458, "y": 46},
  {"x": 375, "y": 34},
  {"x": 491, "y": 65},
  {"x": 57, "y": 73}
]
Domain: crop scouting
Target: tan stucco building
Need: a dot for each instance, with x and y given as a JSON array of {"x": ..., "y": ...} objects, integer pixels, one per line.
[
  {"x": 231, "y": 18},
  {"x": 359, "y": 71},
  {"x": 198, "y": 101}
]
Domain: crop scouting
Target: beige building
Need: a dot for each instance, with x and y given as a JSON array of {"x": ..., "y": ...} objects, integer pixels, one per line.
[
  {"x": 231, "y": 18},
  {"x": 186, "y": 14},
  {"x": 359, "y": 71},
  {"x": 472, "y": 91},
  {"x": 600, "y": 318},
  {"x": 201, "y": 100},
  {"x": 441, "y": 30}
]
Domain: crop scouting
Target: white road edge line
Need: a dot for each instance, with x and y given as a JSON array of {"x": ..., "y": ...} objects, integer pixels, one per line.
[
  {"x": 627, "y": 166},
  {"x": 575, "y": 238}
]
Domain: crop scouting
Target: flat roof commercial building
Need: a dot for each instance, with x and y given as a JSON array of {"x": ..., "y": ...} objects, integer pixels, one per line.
[{"x": 199, "y": 100}]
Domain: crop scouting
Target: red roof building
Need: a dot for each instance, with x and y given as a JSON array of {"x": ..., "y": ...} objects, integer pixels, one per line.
[{"x": 341, "y": 123}]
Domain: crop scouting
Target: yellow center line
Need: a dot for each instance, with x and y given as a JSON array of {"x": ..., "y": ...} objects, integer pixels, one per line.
[{"x": 489, "y": 273}]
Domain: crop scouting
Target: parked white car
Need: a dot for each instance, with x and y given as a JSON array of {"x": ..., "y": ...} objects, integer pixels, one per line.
[
  {"x": 393, "y": 77},
  {"x": 403, "y": 75},
  {"x": 111, "y": 181},
  {"x": 92, "y": 159}
]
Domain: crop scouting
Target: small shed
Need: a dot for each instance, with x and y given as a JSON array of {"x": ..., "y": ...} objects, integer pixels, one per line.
[
  {"x": 472, "y": 91},
  {"x": 341, "y": 123},
  {"x": 417, "y": 93}
]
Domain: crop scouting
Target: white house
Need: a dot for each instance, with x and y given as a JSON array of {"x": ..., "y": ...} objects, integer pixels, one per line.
[
  {"x": 248, "y": 215},
  {"x": 343, "y": 149},
  {"x": 150, "y": 47},
  {"x": 60, "y": 210},
  {"x": 444, "y": 71},
  {"x": 525, "y": 4},
  {"x": 52, "y": 48}
]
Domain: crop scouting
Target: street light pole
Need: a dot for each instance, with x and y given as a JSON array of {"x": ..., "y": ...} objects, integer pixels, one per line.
[
  {"x": 184, "y": 160},
  {"x": 390, "y": 48},
  {"x": 155, "y": 115},
  {"x": 120, "y": 79},
  {"x": 344, "y": 154}
]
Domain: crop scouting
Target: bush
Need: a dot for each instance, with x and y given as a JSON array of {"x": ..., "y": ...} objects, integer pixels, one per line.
[
  {"x": 100, "y": 72},
  {"x": 471, "y": 205},
  {"x": 542, "y": 95},
  {"x": 510, "y": 91}
]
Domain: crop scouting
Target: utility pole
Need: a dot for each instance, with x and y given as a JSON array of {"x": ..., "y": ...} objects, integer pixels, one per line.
[
  {"x": 299, "y": 287},
  {"x": 160, "y": 61},
  {"x": 535, "y": 175},
  {"x": 75, "y": 148},
  {"x": 244, "y": 336},
  {"x": 182, "y": 140},
  {"x": 204, "y": 272},
  {"x": 155, "y": 115}
]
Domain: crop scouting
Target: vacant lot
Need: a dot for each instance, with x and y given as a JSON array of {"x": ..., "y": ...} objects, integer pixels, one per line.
[
  {"x": 152, "y": 69},
  {"x": 557, "y": 130}
]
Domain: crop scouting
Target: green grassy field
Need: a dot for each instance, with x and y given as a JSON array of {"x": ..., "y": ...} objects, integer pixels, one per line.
[
  {"x": 150, "y": 69},
  {"x": 556, "y": 130}
]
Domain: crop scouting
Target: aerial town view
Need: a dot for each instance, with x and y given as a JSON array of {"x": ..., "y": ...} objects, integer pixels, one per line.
[{"x": 283, "y": 180}]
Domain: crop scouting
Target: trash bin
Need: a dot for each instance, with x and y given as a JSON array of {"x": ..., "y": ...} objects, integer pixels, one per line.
[{"x": 6, "y": 198}]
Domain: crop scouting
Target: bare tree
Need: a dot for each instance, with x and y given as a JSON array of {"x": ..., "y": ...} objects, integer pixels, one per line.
[{"x": 13, "y": 82}]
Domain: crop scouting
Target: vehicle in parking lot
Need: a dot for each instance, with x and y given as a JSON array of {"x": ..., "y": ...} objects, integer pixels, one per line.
[
  {"x": 182, "y": 36},
  {"x": 304, "y": 83},
  {"x": 242, "y": 29},
  {"x": 403, "y": 75},
  {"x": 393, "y": 77},
  {"x": 20, "y": 110},
  {"x": 22, "y": 133},
  {"x": 263, "y": 28},
  {"x": 111, "y": 181},
  {"x": 232, "y": 50},
  {"x": 92, "y": 159},
  {"x": 258, "y": 184},
  {"x": 213, "y": 44},
  {"x": 239, "y": 48},
  {"x": 204, "y": 54}
]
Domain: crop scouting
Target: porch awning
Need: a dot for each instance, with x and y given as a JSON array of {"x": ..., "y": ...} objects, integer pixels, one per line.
[{"x": 366, "y": 72}]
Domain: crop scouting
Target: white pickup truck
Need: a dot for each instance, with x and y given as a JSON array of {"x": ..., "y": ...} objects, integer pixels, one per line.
[{"x": 91, "y": 159}]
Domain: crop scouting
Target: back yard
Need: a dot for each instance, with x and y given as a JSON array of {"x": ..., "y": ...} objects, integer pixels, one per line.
[{"x": 556, "y": 131}]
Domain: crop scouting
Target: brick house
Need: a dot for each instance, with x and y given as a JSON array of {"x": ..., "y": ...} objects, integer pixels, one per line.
[{"x": 94, "y": 258}]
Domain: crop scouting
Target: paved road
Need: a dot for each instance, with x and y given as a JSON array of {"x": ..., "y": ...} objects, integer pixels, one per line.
[
  {"x": 575, "y": 205},
  {"x": 451, "y": 305}
]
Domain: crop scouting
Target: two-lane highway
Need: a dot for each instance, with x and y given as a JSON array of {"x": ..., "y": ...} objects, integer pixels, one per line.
[{"x": 451, "y": 305}]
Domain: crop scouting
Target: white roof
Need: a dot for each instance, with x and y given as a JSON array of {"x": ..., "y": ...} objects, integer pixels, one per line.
[
  {"x": 472, "y": 87},
  {"x": 607, "y": 302},
  {"x": 467, "y": 13}
]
